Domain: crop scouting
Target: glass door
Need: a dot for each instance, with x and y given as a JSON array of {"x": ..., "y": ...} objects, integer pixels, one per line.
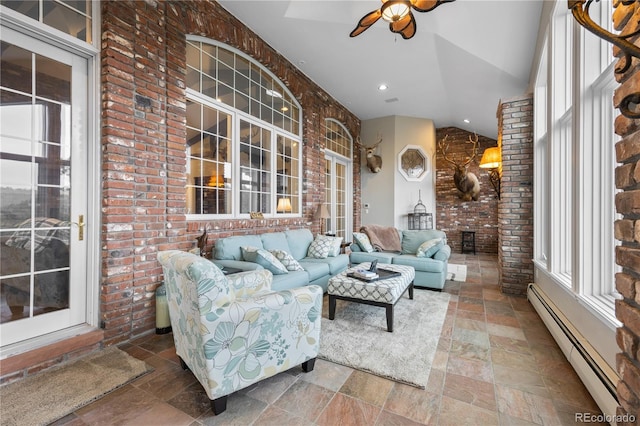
[
  {"x": 43, "y": 194},
  {"x": 337, "y": 196}
]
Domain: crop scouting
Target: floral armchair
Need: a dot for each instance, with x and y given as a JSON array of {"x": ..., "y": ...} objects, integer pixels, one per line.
[{"x": 233, "y": 331}]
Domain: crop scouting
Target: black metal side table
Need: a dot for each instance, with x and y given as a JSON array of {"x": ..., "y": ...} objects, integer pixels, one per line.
[{"x": 468, "y": 242}]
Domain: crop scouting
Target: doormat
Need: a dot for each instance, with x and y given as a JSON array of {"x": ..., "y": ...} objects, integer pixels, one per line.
[
  {"x": 50, "y": 395},
  {"x": 456, "y": 272}
]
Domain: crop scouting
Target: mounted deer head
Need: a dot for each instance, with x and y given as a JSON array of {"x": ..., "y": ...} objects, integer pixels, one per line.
[
  {"x": 466, "y": 182},
  {"x": 374, "y": 162}
]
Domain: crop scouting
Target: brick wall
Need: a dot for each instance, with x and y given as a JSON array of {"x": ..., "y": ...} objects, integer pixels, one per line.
[
  {"x": 454, "y": 215},
  {"x": 143, "y": 145},
  {"x": 627, "y": 229},
  {"x": 515, "y": 210}
]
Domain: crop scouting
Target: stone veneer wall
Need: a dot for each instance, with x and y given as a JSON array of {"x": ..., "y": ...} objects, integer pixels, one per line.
[
  {"x": 454, "y": 215},
  {"x": 515, "y": 210},
  {"x": 627, "y": 229}
]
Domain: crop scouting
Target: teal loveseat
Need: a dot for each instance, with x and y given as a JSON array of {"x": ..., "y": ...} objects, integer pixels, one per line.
[
  {"x": 228, "y": 254},
  {"x": 431, "y": 272}
]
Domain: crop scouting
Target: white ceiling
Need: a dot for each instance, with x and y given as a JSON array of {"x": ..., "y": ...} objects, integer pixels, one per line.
[{"x": 464, "y": 58}]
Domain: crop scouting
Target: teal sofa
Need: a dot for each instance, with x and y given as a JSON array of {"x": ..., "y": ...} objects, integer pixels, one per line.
[
  {"x": 228, "y": 253},
  {"x": 431, "y": 272}
]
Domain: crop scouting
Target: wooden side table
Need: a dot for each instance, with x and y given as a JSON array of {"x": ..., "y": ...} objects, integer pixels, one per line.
[
  {"x": 345, "y": 247},
  {"x": 468, "y": 242}
]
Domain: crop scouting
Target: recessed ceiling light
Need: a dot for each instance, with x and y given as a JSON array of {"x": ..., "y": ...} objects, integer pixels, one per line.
[
  {"x": 383, "y": 87},
  {"x": 466, "y": 120}
]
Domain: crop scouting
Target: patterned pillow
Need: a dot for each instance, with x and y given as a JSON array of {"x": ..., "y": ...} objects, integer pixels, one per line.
[
  {"x": 336, "y": 242},
  {"x": 287, "y": 260},
  {"x": 320, "y": 247},
  {"x": 264, "y": 258},
  {"x": 429, "y": 247},
  {"x": 363, "y": 241}
]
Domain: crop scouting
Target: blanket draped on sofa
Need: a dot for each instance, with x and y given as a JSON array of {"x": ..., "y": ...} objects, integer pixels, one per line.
[{"x": 383, "y": 238}]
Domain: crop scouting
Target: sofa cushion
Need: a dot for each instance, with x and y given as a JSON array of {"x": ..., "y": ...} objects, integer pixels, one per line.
[
  {"x": 229, "y": 248},
  {"x": 363, "y": 241},
  {"x": 291, "y": 280},
  {"x": 429, "y": 247},
  {"x": 336, "y": 264},
  {"x": 358, "y": 257},
  {"x": 299, "y": 241},
  {"x": 314, "y": 268},
  {"x": 275, "y": 241},
  {"x": 236, "y": 264},
  {"x": 423, "y": 264},
  {"x": 264, "y": 258},
  {"x": 412, "y": 239},
  {"x": 287, "y": 260}
]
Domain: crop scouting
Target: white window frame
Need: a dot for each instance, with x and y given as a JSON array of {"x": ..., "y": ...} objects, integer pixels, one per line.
[
  {"x": 333, "y": 159},
  {"x": 236, "y": 117},
  {"x": 574, "y": 167}
]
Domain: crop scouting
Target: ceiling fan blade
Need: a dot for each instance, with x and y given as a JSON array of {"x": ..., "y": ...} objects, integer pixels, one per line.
[
  {"x": 427, "y": 5},
  {"x": 365, "y": 22},
  {"x": 405, "y": 26}
]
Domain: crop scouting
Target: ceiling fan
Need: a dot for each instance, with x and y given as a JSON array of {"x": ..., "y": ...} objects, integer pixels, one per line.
[{"x": 398, "y": 14}]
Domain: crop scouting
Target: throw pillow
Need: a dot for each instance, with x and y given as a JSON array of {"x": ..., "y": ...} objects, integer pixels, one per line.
[
  {"x": 287, "y": 260},
  {"x": 335, "y": 242},
  {"x": 429, "y": 247},
  {"x": 362, "y": 240},
  {"x": 263, "y": 258},
  {"x": 320, "y": 247}
]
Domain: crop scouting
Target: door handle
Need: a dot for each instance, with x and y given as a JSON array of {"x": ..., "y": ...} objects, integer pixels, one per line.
[{"x": 80, "y": 224}]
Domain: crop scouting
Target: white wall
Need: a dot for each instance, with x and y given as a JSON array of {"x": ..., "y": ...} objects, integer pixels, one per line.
[{"x": 390, "y": 196}]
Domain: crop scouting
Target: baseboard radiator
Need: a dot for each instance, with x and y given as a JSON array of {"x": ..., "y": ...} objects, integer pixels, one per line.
[{"x": 597, "y": 376}]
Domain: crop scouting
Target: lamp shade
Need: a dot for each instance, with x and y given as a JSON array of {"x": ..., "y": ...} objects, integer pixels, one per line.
[
  {"x": 491, "y": 158},
  {"x": 284, "y": 205},
  {"x": 322, "y": 212}
]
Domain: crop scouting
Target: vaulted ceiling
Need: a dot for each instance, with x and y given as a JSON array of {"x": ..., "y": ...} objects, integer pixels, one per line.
[{"x": 465, "y": 57}]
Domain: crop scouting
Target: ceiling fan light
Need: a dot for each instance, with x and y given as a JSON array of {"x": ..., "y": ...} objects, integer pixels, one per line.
[{"x": 395, "y": 10}]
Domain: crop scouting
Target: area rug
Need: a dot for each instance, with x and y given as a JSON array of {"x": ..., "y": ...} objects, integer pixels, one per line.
[
  {"x": 47, "y": 396},
  {"x": 456, "y": 272},
  {"x": 358, "y": 337}
]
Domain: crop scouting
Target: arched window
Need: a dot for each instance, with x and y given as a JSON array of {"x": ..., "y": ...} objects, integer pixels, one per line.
[
  {"x": 338, "y": 179},
  {"x": 244, "y": 142}
]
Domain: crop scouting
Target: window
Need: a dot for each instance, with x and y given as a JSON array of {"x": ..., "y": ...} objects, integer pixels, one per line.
[
  {"x": 575, "y": 162},
  {"x": 243, "y": 136},
  {"x": 541, "y": 163},
  {"x": 70, "y": 17},
  {"x": 338, "y": 181}
]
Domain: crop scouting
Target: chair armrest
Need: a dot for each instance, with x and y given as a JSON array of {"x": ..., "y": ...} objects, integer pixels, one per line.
[
  {"x": 443, "y": 254},
  {"x": 248, "y": 283}
]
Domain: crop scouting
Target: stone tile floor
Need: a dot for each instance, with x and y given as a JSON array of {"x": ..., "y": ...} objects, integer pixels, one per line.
[{"x": 496, "y": 365}]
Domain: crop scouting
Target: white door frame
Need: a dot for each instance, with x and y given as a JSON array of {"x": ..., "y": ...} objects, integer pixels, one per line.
[
  {"x": 86, "y": 156},
  {"x": 333, "y": 159}
]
